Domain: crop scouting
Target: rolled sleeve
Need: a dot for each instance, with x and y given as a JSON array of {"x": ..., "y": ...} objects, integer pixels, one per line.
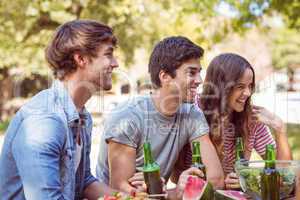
[
  {"x": 37, "y": 148},
  {"x": 263, "y": 137},
  {"x": 122, "y": 130}
]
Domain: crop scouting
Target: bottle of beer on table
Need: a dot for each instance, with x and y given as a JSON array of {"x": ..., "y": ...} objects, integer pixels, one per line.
[
  {"x": 196, "y": 158},
  {"x": 240, "y": 154},
  {"x": 270, "y": 177},
  {"x": 151, "y": 172},
  {"x": 239, "y": 147}
]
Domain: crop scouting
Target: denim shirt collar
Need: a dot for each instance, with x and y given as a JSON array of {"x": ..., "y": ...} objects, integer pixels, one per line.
[{"x": 64, "y": 98}]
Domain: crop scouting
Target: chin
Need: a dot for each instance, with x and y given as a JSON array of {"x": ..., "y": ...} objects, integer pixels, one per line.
[
  {"x": 107, "y": 87},
  {"x": 239, "y": 109}
]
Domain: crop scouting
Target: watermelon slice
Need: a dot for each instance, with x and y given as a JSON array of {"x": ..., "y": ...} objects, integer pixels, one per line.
[
  {"x": 229, "y": 195},
  {"x": 197, "y": 188}
]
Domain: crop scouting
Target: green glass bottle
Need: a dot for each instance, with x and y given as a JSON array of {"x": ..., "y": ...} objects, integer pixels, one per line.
[
  {"x": 239, "y": 147},
  {"x": 196, "y": 157},
  {"x": 151, "y": 172},
  {"x": 270, "y": 177},
  {"x": 197, "y": 162}
]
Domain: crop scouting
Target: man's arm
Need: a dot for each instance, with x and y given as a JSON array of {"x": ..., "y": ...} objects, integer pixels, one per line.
[
  {"x": 214, "y": 170},
  {"x": 37, "y": 149},
  {"x": 121, "y": 161},
  {"x": 93, "y": 189}
]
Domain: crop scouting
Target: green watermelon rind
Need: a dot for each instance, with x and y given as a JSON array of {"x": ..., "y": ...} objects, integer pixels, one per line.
[
  {"x": 208, "y": 193},
  {"x": 221, "y": 195}
]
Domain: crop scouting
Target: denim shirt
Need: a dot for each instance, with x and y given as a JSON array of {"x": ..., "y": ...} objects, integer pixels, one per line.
[{"x": 37, "y": 160}]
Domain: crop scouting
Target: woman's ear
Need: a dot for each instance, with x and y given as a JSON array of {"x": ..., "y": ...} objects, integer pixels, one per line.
[
  {"x": 80, "y": 60},
  {"x": 164, "y": 77}
]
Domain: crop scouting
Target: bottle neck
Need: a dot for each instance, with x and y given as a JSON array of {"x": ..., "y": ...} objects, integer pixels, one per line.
[
  {"x": 148, "y": 159},
  {"x": 270, "y": 157},
  {"x": 196, "y": 159},
  {"x": 149, "y": 163},
  {"x": 239, "y": 149},
  {"x": 196, "y": 155},
  {"x": 270, "y": 164}
]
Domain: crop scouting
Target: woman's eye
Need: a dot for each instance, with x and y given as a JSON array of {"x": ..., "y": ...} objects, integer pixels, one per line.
[{"x": 240, "y": 87}]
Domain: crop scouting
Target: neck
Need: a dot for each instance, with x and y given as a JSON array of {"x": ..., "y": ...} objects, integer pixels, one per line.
[
  {"x": 165, "y": 103},
  {"x": 79, "y": 93}
]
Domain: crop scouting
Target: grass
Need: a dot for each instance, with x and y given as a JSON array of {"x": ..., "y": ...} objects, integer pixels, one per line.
[
  {"x": 293, "y": 131},
  {"x": 3, "y": 126}
]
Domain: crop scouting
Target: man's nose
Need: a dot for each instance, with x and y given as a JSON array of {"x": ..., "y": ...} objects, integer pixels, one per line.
[
  {"x": 198, "y": 79},
  {"x": 114, "y": 63}
]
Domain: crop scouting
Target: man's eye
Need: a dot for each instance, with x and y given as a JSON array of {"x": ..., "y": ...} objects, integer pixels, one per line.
[{"x": 192, "y": 73}]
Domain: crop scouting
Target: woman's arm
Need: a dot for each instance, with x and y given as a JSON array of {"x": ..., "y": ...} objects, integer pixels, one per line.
[{"x": 283, "y": 148}]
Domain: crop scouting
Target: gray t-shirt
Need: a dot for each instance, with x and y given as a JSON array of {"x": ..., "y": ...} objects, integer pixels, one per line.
[{"x": 130, "y": 124}]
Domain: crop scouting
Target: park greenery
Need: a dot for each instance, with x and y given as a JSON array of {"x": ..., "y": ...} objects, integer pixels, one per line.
[{"x": 27, "y": 25}]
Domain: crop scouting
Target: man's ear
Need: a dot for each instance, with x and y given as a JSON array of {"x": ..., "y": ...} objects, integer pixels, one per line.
[
  {"x": 80, "y": 60},
  {"x": 164, "y": 77}
]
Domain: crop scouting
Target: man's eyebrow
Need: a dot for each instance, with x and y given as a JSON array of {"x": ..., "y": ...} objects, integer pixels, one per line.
[
  {"x": 193, "y": 68},
  {"x": 109, "y": 49},
  {"x": 241, "y": 83}
]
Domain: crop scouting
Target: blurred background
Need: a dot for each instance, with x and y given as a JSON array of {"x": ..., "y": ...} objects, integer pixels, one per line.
[{"x": 266, "y": 32}]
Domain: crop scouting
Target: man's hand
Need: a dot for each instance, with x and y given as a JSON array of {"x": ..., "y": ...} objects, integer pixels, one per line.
[
  {"x": 138, "y": 182},
  {"x": 96, "y": 190}
]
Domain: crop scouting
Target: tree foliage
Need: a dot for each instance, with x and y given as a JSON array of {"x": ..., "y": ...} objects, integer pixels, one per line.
[
  {"x": 27, "y": 25},
  {"x": 286, "y": 49},
  {"x": 252, "y": 12}
]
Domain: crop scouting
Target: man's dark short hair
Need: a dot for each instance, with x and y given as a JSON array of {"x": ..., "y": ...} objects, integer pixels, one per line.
[
  {"x": 79, "y": 36},
  {"x": 169, "y": 54}
]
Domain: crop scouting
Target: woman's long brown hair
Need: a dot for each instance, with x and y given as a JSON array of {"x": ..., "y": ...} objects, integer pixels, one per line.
[{"x": 223, "y": 73}]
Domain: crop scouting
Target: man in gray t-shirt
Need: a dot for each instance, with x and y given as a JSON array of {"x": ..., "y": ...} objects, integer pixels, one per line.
[
  {"x": 167, "y": 118},
  {"x": 130, "y": 124}
]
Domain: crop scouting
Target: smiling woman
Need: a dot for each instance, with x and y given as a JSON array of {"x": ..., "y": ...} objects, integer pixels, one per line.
[
  {"x": 226, "y": 103},
  {"x": 226, "y": 98}
]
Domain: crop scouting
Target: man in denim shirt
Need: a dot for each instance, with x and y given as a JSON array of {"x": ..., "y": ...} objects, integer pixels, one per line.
[{"x": 46, "y": 150}]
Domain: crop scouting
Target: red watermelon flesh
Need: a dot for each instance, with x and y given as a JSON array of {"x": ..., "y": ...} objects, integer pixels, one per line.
[
  {"x": 230, "y": 195},
  {"x": 194, "y": 188}
]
